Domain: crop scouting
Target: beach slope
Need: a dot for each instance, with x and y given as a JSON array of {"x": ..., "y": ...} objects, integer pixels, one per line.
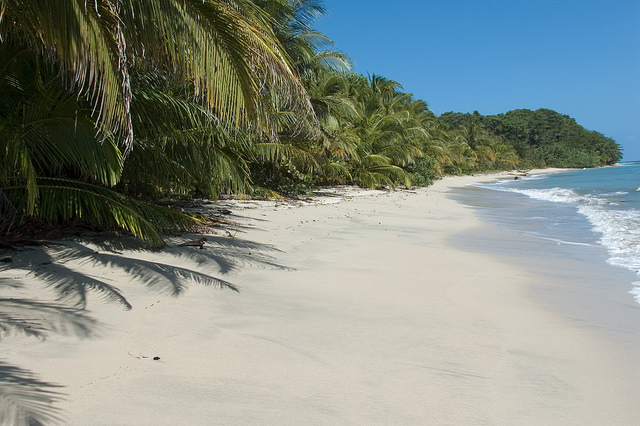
[{"x": 352, "y": 308}]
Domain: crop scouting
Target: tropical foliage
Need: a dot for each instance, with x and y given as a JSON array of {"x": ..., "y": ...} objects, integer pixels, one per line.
[
  {"x": 543, "y": 138},
  {"x": 80, "y": 83},
  {"x": 109, "y": 107}
]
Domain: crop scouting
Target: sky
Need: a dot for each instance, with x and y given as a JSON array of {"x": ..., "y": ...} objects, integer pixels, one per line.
[{"x": 580, "y": 58}]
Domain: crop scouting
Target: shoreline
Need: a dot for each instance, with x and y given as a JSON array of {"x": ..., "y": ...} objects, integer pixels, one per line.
[{"x": 361, "y": 311}]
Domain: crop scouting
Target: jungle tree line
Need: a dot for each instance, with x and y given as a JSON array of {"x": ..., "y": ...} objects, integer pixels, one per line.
[
  {"x": 543, "y": 138},
  {"x": 110, "y": 106}
]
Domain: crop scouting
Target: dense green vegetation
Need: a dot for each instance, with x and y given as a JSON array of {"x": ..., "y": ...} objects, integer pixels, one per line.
[
  {"x": 108, "y": 107},
  {"x": 544, "y": 138}
]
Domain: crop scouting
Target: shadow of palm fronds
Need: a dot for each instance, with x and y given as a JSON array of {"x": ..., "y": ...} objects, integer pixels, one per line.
[
  {"x": 54, "y": 266},
  {"x": 25, "y": 399},
  {"x": 230, "y": 254},
  {"x": 227, "y": 254},
  {"x": 36, "y": 319},
  {"x": 164, "y": 277},
  {"x": 72, "y": 287},
  {"x": 160, "y": 276},
  {"x": 48, "y": 266}
]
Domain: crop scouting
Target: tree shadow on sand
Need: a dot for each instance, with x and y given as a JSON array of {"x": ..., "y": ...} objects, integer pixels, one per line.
[
  {"x": 25, "y": 399},
  {"x": 57, "y": 268}
]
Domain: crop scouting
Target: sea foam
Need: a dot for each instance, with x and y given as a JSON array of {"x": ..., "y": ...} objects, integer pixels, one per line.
[
  {"x": 619, "y": 229},
  {"x": 603, "y": 196}
]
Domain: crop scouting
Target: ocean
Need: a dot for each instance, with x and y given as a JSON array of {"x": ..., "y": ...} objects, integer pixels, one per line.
[{"x": 589, "y": 213}]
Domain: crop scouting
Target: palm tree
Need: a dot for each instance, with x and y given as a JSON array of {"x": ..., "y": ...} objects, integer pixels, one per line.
[
  {"x": 460, "y": 158},
  {"x": 311, "y": 52},
  {"x": 182, "y": 149},
  {"x": 389, "y": 135},
  {"x": 297, "y": 154},
  {"x": 506, "y": 155},
  {"x": 72, "y": 61},
  {"x": 226, "y": 47}
]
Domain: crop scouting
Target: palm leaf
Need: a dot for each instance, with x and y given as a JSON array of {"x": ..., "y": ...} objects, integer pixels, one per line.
[
  {"x": 276, "y": 152},
  {"x": 64, "y": 199},
  {"x": 86, "y": 39},
  {"x": 181, "y": 147},
  {"x": 227, "y": 49}
]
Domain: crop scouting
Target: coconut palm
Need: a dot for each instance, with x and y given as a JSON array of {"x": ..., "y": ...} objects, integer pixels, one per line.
[
  {"x": 56, "y": 167},
  {"x": 311, "y": 52},
  {"x": 297, "y": 154},
  {"x": 83, "y": 54},
  {"x": 226, "y": 47},
  {"x": 387, "y": 131},
  {"x": 506, "y": 155},
  {"x": 490, "y": 150},
  {"x": 182, "y": 149}
]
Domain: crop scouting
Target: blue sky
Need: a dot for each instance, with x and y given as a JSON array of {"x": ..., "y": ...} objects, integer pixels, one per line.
[{"x": 580, "y": 58}]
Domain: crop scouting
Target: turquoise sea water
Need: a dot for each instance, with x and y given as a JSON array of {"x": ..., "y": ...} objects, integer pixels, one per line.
[{"x": 590, "y": 208}]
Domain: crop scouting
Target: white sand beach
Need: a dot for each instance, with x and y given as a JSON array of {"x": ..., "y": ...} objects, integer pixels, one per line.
[{"x": 353, "y": 308}]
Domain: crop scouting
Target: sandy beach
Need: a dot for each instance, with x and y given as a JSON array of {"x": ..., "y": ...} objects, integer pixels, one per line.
[{"x": 354, "y": 307}]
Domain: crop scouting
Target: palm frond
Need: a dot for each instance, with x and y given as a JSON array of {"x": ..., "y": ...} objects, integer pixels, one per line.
[
  {"x": 86, "y": 39},
  {"x": 181, "y": 147},
  {"x": 227, "y": 49},
  {"x": 276, "y": 152},
  {"x": 65, "y": 199}
]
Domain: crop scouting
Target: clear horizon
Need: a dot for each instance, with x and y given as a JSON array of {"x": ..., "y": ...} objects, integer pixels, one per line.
[{"x": 577, "y": 58}]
